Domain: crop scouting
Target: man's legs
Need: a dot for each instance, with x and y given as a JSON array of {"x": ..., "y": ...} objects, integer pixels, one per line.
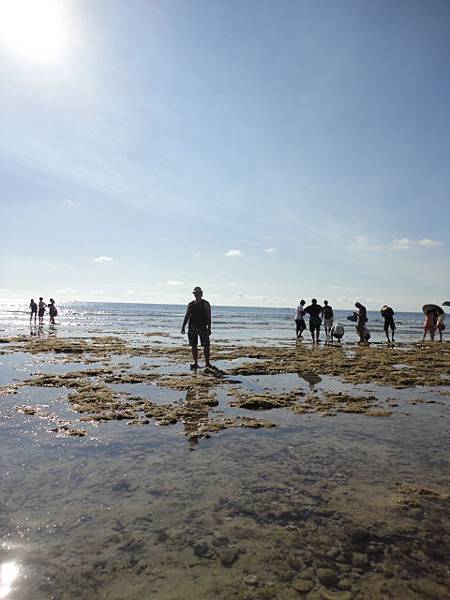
[
  {"x": 195, "y": 357},
  {"x": 206, "y": 352}
]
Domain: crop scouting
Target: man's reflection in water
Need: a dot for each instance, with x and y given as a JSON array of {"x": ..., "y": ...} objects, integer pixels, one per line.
[
  {"x": 198, "y": 412},
  {"x": 52, "y": 329},
  {"x": 33, "y": 330},
  {"x": 40, "y": 330}
]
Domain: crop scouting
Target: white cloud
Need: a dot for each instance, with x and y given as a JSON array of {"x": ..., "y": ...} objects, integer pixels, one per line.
[
  {"x": 65, "y": 291},
  {"x": 174, "y": 282},
  {"x": 233, "y": 253},
  {"x": 197, "y": 254},
  {"x": 270, "y": 250},
  {"x": 103, "y": 259},
  {"x": 407, "y": 243},
  {"x": 401, "y": 244},
  {"x": 428, "y": 242},
  {"x": 69, "y": 202},
  {"x": 362, "y": 242}
]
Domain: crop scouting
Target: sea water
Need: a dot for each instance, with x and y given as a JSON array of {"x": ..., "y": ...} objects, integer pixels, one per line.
[{"x": 236, "y": 324}]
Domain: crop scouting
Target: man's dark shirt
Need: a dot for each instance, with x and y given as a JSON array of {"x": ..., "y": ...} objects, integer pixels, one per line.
[
  {"x": 388, "y": 314},
  {"x": 198, "y": 313},
  {"x": 314, "y": 310}
]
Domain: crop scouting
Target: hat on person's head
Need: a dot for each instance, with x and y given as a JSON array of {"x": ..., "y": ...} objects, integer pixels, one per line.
[{"x": 197, "y": 290}]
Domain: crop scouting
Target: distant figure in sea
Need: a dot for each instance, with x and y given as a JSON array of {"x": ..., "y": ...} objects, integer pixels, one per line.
[
  {"x": 328, "y": 316},
  {"x": 361, "y": 327},
  {"x": 198, "y": 319},
  {"x": 314, "y": 311},
  {"x": 440, "y": 325},
  {"x": 300, "y": 324},
  {"x": 33, "y": 310},
  {"x": 41, "y": 309},
  {"x": 388, "y": 314},
  {"x": 53, "y": 311},
  {"x": 337, "y": 331},
  {"x": 429, "y": 324}
]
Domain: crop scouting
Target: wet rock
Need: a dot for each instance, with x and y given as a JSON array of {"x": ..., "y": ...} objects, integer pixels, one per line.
[
  {"x": 327, "y": 577},
  {"x": 344, "y": 584},
  {"x": 303, "y": 586},
  {"x": 201, "y": 550},
  {"x": 360, "y": 560},
  {"x": 359, "y": 536},
  {"x": 229, "y": 557},
  {"x": 430, "y": 589},
  {"x": 121, "y": 486},
  {"x": 251, "y": 580},
  {"x": 333, "y": 553},
  {"x": 307, "y": 573},
  {"x": 328, "y": 595},
  {"x": 415, "y": 513}
]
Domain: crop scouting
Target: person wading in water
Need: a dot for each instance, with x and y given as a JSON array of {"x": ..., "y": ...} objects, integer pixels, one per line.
[{"x": 198, "y": 319}]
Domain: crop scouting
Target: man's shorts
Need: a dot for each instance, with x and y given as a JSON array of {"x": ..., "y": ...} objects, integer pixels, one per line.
[
  {"x": 389, "y": 325},
  {"x": 195, "y": 332},
  {"x": 314, "y": 324}
]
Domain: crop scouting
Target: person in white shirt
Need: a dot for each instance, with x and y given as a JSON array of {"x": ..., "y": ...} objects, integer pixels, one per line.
[{"x": 300, "y": 324}]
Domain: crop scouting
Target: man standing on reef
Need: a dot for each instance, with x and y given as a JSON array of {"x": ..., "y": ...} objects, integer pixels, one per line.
[
  {"x": 198, "y": 319},
  {"x": 314, "y": 311}
]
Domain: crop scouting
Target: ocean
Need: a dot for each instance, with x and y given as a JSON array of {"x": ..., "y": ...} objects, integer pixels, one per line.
[{"x": 233, "y": 324}]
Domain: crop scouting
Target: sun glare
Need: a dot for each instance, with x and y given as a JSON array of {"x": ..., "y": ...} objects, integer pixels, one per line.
[{"x": 35, "y": 29}]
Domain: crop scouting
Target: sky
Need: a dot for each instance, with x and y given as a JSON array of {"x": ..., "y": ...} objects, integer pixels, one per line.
[{"x": 265, "y": 150}]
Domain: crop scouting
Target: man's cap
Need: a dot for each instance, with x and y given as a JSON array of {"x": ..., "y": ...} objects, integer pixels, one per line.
[{"x": 197, "y": 289}]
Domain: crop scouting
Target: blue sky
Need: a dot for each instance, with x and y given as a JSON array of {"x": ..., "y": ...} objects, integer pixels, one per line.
[{"x": 264, "y": 150}]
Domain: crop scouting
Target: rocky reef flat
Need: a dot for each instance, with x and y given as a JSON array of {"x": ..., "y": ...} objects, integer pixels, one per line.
[{"x": 287, "y": 471}]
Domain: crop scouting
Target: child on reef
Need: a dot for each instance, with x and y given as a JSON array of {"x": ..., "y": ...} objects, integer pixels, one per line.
[
  {"x": 33, "y": 309},
  {"x": 41, "y": 311},
  {"x": 52, "y": 311}
]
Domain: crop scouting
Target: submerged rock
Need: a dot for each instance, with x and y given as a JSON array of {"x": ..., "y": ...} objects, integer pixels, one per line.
[{"x": 327, "y": 577}]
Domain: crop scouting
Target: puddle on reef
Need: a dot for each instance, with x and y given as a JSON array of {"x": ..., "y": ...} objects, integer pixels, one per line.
[{"x": 346, "y": 508}]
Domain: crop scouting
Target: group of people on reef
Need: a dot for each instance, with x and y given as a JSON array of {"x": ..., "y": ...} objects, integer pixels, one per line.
[
  {"x": 198, "y": 321},
  {"x": 37, "y": 310},
  {"x": 434, "y": 321}
]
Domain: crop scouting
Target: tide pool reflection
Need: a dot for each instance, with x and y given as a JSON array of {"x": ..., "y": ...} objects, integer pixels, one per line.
[{"x": 9, "y": 572}]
